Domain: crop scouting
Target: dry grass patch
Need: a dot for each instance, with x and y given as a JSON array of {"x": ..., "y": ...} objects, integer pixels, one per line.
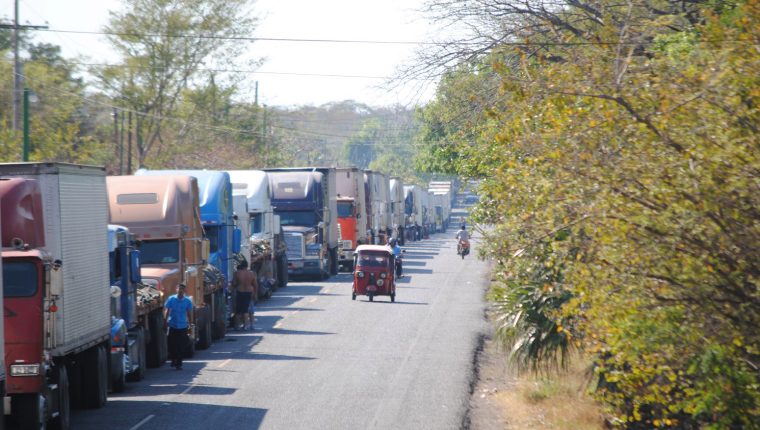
[{"x": 556, "y": 402}]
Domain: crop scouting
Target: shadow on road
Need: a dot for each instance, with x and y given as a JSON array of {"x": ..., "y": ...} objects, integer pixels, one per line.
[
  {"x": 414, "y": 263},
  {"x": 120, "y": 415},
  {"x": 418, "y": 271},
  {"x": 296, "y": 332},
  {"x": 275, "y": 357},
  {"x": 419, "y": 256},
  {"x": 387, "y": 300}
]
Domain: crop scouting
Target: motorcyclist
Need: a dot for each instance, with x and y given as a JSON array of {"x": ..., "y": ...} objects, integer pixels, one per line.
[
  {"x": 464, "y": 238},
  {"x": 393, "y": 243}
]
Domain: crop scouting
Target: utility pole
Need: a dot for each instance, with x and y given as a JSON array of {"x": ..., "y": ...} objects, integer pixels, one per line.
[
  {"x": 129, "y": 143},
  {"x": 27, "y": 142},
  {"x": 116, "y": 130},
  {"x": 121, "y": 146},
  {"x": 264, "y": 137},
  {"x": 17, "y": 72}
]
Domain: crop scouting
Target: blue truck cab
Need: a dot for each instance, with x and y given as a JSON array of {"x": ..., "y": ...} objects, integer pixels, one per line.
[
  {"x": 306, "y": 201},
  {"x": 137, "y": 337}
]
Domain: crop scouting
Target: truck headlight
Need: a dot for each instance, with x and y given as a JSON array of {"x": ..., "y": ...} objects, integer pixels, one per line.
[
  {"x": 383, "y": 275},
  {"x": 25, "y": 369},
  {"x": 359, "y": 274},
  {"x": 380, "y": 282}
]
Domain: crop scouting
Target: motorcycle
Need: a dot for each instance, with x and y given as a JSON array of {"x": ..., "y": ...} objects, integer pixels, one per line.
[
  {"x": 463, "y": 248},
  {"x": 399, "y": 259}
]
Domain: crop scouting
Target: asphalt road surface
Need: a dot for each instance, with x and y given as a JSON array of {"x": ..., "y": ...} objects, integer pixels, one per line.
[{"x": 318, "y": 360}]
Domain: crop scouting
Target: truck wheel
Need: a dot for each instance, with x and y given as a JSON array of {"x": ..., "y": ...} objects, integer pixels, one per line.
[
  {"x": 157, "y": 350},
  {"x": 120, "y": 380},
  {"x": 393, "y": 297},
  {"x": 62, "y": 421},
  {"x": 28, "y": 411},
  {"x": 219, "y": 326},
  {"x": 334, "y": 261},
  {"x": 96, "y": 383},
  {"x": 204, "y": 325},
  {"x": 282, "y": 271},
  {"x": 142, "y": 360},
  {"x": 74, "y": 368},
  {"x": 190, "y": 349}
]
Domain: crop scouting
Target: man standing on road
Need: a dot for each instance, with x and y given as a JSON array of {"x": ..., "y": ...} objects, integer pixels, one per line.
[
  {"x": 178, "y": 315},
  {"x": 246, "y": 289}
]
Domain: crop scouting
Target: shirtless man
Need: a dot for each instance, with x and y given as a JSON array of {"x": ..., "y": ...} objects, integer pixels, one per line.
[{"x": 246, "y": 288}]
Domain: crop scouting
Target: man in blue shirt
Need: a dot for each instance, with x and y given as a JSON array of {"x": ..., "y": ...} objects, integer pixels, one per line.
[{"x": 178, "y": 315}]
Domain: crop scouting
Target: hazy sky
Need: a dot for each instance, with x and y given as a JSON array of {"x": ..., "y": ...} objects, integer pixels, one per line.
[{"x": 287, "y": 76}]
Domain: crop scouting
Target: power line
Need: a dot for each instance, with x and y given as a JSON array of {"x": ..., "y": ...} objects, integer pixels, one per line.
[
  {"x": 193, "y": 124},
  {"x": 255, "y": 72},
  {"x": 248, "y": 39},
  {"x": 390, "y": 42}
]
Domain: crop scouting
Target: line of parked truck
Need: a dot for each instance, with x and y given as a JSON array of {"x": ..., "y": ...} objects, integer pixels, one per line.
[{"x": 88, "y": 259}]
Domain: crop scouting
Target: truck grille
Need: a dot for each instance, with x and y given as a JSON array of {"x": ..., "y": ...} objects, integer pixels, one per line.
[{"x": 294, "y": 241}]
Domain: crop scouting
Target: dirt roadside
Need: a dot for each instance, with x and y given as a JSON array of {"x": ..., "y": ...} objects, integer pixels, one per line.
[
  {"x": 492, "y": 375},
  {"x": 502, "y": 400}
]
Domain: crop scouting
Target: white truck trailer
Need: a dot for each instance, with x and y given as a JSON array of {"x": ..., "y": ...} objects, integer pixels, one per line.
[{"x": 57, "y": 301}]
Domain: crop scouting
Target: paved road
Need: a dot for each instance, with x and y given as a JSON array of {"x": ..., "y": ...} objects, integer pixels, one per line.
[{"x": 318, "y": 360}]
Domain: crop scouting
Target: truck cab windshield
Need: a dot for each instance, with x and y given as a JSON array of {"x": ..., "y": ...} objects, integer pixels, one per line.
[
  {"x": 20, "y": 279},
  {"x": 159, "y": 251},
  {"x": 299, "y": 218},
  {"x": 345, "y": 209},
  {"x": 256, "y": 223},
  {"x": 212, "y": 234}
]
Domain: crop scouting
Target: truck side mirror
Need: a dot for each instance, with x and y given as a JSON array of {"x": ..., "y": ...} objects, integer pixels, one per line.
[
  {"x": 134, "y": 266},
  {"x": 236, "y": 240}
]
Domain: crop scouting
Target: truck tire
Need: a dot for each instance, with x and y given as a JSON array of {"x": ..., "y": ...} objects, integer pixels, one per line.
[
  {"x": 282, "y": 271},
  {"x": 74, "y": 367},
  {"x": 95, "y": 382},
  {"x": 63, "y": 420},
  {"x": 120, "y": 378},
  {"x": 190, "y": 349},
  {"x": 334, "y": 261},
  {"x": 142, "y": 360},
  {"x": 157, "y": 350},
  {"x": 27, "y": 411},
  {"x": 219, "y": 326},
  {"x": 204, "y": 325}
]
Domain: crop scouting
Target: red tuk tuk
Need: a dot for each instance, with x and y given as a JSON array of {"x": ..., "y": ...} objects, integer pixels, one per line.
[{"x": 374, "y": 273}]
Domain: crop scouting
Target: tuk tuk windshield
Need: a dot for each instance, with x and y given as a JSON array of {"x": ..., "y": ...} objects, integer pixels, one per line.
[{"x": 372, "y": 259}]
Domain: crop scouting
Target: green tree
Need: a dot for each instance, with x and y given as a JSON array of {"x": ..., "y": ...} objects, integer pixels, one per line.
[
  {"x": 632, "y": 131},
  {"x": 58, "y": 114},
  {"x": 360, "y": 149},
  {"x": 167, "y": 47}
]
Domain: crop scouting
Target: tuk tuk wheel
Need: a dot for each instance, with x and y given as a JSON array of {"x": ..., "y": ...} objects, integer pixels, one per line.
[
  {"x": 393, "y": 297},
  {"x": 353, "y": 296}
]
